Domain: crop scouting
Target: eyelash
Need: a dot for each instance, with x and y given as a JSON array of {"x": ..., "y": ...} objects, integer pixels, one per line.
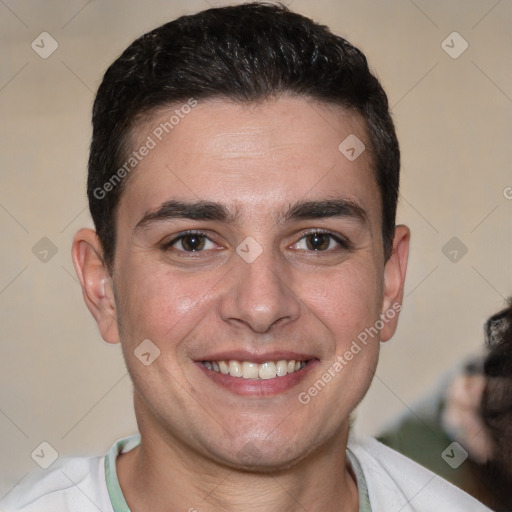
[
  {"x": 342, "y": 243},
  {"x": 168, "y": 245}
]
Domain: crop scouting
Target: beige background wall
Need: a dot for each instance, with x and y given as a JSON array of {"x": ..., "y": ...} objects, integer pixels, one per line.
[{"x": 61, "y": 384}]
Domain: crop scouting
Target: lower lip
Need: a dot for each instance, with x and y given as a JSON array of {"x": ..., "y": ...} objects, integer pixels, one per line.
[{"x": 259, "y": 387}]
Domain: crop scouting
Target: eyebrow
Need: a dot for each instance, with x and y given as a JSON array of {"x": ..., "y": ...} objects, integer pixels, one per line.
[
  {"x": 209, "y": 210},
  {"x": 337, "y": 207},
  {"x": 199, "y": 210}
]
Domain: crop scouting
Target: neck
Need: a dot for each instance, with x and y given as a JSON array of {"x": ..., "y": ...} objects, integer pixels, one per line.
[
  {"x": 158, "y": 478},
  {"x": 163, "y": 474}
]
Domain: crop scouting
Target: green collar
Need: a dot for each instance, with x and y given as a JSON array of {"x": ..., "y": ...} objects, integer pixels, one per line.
[{"x": 114, "y": 489}]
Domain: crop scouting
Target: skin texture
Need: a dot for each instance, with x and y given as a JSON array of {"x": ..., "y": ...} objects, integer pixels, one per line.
[{"x": 205, "y": 446}]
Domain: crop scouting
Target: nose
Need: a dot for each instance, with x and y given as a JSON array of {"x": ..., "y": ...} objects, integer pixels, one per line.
[{"x": 259, "y": 294}]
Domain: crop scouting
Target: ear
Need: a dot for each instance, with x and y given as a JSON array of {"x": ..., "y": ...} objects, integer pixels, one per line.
[
  {"x": 394, "y": 278},
  {"x": 96, "y": 282}
]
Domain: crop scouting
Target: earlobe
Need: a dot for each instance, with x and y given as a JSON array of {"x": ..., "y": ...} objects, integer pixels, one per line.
[
  {"x": 96, "y": 282},
  {"x": 394, "y": 279}
]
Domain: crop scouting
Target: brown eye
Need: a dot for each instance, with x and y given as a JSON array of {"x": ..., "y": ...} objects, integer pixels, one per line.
[
  {"x": 190, "y": 242},
  {"x": 318, "y": 241},
  {"x": 193, "y": 242}
]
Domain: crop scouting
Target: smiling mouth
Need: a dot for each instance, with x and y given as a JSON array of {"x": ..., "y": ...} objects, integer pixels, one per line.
[{"x": 250, "y": 370}]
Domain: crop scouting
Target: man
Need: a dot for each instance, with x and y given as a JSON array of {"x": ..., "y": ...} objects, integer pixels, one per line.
[{"x": 243, "y": 180}]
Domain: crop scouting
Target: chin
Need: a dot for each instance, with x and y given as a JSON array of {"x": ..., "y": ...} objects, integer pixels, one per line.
[{"x": 261, "y": 455}]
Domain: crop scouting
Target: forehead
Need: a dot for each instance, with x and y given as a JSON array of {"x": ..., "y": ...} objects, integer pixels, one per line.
[{"x": 252, "y": 157}]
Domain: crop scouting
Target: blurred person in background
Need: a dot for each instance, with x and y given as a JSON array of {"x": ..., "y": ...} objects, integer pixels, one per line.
[{"x": 472, "y": 407}]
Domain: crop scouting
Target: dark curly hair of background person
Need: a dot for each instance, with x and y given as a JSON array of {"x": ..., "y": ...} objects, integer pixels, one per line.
[{"x": 496, "y": 405}]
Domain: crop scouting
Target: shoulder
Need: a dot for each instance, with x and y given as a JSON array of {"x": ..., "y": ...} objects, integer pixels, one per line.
[
  {"x": 71, "y": 484},
  {"x": 394, "y": 480}
]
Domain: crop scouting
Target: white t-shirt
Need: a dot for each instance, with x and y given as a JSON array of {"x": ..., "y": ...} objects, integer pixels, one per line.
[{"x": 386, "y": 480}]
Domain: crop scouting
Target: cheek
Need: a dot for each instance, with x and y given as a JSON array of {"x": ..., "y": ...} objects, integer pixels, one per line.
[
  {"x": 155, "y": 302},
  {"x": 346, "y": 301}
]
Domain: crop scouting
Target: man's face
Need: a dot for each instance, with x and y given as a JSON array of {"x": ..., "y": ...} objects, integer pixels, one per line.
[{"x": 286, "y": 264}]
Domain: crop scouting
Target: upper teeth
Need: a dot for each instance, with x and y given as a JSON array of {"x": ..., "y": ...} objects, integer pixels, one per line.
[{"x": 250, "y": 370}]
